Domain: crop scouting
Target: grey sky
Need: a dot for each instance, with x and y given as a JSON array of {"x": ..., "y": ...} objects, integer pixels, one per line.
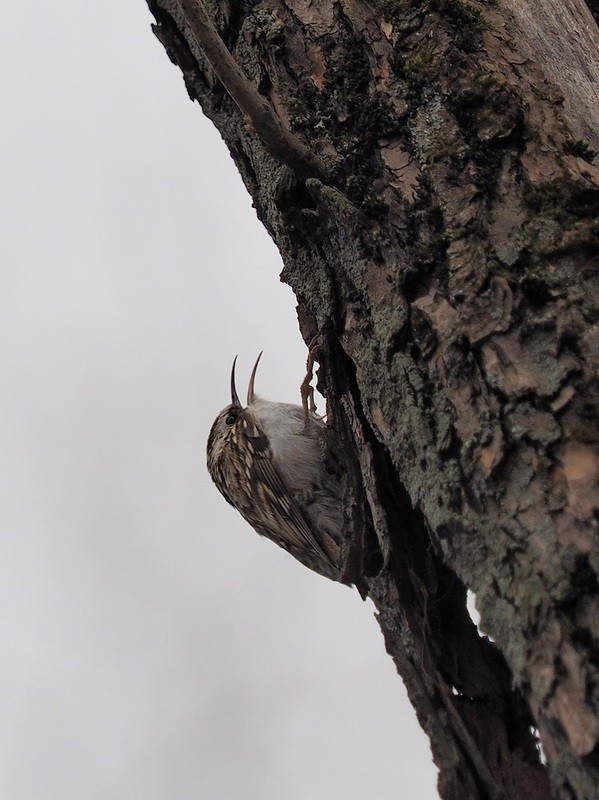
[{"x": 152, "y": 645}]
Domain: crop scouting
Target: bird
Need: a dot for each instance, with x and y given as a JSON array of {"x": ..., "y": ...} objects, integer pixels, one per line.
[{"x": 274, "y": 463}]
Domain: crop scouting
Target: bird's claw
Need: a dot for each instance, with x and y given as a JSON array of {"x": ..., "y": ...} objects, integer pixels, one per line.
[{"x": 306, "y": 388}]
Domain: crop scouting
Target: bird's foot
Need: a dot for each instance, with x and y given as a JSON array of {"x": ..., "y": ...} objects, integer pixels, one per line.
[{"x": 306, "y": 388}]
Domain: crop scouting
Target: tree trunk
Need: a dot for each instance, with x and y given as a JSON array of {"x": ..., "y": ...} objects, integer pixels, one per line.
[{"x": 431, "y": 190}]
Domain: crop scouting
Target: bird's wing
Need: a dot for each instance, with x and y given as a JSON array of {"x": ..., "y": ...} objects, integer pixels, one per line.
[{"x": 279, "y": 512}]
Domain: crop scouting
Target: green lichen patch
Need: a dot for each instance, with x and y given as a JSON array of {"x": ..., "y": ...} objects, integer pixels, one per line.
[
  {"x": 418, "y": 70},
  {"x": 263, "y": 25},
  {"x": 563, "y": 200},
  {"x": 460, "y": 12},
  {"x": 548, "y": 199},
  {"x": 391, "y": 8},
  {"x": 580, "y": 148},
  {"x": 356, "y": 118},
  {"x": 466, "y": 19},
  {"x": 446, "y": 152},
  {"x": 349, "y": 116}
]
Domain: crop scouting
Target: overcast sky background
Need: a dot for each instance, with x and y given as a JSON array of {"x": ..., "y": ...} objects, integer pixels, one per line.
[{"x": 153, "y": 646}]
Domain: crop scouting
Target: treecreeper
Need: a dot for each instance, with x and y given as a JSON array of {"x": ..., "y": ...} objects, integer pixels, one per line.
[{"x": 275, "y": 463}]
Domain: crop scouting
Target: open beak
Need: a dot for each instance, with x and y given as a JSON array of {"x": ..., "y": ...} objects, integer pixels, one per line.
[
  {"x": 234, "y": 397},
  {"x": 251, "y": 396}
]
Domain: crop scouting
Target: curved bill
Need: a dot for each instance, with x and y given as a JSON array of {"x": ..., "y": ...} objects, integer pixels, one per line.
[
  {"x": 234, "y": 397},
  {"x": 251, "y": 396}
]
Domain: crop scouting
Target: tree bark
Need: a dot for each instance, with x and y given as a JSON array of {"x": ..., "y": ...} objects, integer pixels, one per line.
[{"x": 437, "y": 214}]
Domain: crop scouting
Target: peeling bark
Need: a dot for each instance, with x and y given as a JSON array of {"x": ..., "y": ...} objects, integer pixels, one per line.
[{"x": 445, "y": 260}]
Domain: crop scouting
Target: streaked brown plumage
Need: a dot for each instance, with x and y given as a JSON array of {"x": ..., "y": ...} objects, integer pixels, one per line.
[{"x": 272, "y": 462}]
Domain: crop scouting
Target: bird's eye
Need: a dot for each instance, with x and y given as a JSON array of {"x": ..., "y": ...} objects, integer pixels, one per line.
[{"x": 230, "y": 419}]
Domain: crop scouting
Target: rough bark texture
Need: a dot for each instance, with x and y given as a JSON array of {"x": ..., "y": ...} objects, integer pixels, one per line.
[{"x": 445, "y": 261}]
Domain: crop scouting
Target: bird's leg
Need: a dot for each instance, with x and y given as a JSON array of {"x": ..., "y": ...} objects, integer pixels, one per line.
[{"x": 306, "y": 389}]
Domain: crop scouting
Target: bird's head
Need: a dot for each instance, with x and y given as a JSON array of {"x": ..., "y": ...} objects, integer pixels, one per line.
[{"x": 224, "y": 426}]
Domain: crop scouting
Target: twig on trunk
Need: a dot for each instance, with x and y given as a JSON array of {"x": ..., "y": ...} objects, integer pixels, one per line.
[{"x": 279, "y": 141}]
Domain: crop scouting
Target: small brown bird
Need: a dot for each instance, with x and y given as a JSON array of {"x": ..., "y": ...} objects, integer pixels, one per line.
[{"x": 273, "y": 463}]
